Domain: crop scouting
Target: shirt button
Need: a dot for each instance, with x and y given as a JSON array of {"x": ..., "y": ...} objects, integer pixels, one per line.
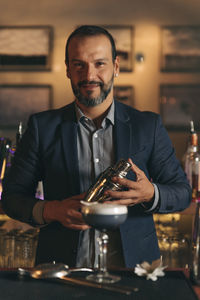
[
  {"x": 96, "y": 160},
  {"x": 95, "y": 135}
]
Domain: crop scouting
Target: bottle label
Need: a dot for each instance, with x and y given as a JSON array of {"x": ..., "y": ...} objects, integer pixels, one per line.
[{"x": 196, "y": 182}]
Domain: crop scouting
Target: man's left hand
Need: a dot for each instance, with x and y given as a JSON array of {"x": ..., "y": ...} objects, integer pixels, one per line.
[{"x": 137, "y": 191}]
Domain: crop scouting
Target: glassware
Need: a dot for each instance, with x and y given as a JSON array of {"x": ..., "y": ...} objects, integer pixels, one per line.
[
  {"x": 104, "y": 217},
  {"x": 174, "y": 245},
  {"x": 195, "y": 264},
  {"x": 18, "y": 248},
  {"x": 25, "y": 248}
]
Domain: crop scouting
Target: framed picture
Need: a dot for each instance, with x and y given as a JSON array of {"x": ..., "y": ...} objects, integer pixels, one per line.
[
  {"x": 18, "y": 102},
  {"x": 180, "y": 48},
  {"x": 25, "y": 48},
  {"x": 123, "y": 37},
  {"x": 124, "y": 94},
  {"x": 179, "y": 104}
]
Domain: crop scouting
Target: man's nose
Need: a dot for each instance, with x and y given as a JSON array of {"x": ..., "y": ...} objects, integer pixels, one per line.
[{"x": 90, "y": 73}]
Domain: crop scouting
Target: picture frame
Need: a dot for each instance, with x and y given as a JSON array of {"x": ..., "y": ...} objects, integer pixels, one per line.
[
  {"x": 18, "y": 102},
  {"x": 124, "y": 94},
  {"x": 26, "y": 48},
  {"x": 179, "y": 105},
  {"x": 180, "y": 49},
  {"x": 123, "y": 37}
]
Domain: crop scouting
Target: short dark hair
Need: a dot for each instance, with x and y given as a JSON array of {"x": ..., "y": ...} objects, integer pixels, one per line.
[{"x": 90, "y": 30}]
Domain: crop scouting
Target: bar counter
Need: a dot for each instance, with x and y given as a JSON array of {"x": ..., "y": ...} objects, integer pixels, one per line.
[{"x": 174, "y": 285}]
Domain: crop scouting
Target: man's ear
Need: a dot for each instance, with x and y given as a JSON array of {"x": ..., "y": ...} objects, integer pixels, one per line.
[
  {"x": 116, "y": 66},
  {"x": 68, "y": 71}
]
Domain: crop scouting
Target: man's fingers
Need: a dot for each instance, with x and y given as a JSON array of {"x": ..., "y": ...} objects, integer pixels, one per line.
[
  {"x": 125, "y": 182},
  {"x": 120, "y": 194},
  {"x": 79, "y": 197},
  {"x": 77, "y": 227}
]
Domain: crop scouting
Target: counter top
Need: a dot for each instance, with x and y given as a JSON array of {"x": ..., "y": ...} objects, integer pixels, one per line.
[{"x": 174, "y": 285}]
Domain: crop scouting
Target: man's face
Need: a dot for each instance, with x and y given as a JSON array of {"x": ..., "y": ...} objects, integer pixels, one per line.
[{"x": 91, "y": 69}]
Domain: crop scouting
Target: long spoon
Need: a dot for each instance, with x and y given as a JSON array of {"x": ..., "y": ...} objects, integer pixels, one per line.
[{"x": 60, "y": 271}]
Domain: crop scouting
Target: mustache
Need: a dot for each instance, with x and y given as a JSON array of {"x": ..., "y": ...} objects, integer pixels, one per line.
[{"x": 84, "y": 82}]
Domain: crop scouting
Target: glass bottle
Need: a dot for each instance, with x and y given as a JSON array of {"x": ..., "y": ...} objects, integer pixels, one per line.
[
  {"x": 195, "y": 261},
  {"x": 19, "y": 134},
  {"x": 17, "y": 141},
  {"x": 196, "y": 177},
  {"x": 192, "y": 164},
  {"x": 5, "y": 146}
]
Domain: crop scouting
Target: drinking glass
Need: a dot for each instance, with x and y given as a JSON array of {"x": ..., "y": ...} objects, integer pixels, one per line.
[{"x": 103, "y": 217}]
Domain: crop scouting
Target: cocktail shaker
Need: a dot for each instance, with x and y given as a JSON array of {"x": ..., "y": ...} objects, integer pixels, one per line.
[{"x": 104, "y": 181}]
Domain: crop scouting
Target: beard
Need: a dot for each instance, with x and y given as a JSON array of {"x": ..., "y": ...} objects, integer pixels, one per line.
[{"x": 88, "y": 100}]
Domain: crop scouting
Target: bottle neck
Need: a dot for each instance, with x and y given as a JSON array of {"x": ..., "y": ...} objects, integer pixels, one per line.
[{"x": 194, "y": 139}]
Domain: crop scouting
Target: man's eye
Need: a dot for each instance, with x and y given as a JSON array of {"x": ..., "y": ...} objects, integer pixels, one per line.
[
  {"x": 78, "y": 65},
  {"x": 100, "y": 63}
]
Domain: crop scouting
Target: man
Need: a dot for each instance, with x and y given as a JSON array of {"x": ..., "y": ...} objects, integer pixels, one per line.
[{"x": 69, "y": 147}]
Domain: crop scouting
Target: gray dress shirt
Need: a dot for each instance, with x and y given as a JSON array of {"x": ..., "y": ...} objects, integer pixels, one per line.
[{"x": 95, "y": 154}]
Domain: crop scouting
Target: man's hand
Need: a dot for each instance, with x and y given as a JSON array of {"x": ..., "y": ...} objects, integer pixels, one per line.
[
  {"x": 138, "y": 191},
  {"x": 67, "y": 212}
]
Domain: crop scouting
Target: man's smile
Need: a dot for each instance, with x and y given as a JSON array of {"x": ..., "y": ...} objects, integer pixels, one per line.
[{"x": 89, "y": 85}]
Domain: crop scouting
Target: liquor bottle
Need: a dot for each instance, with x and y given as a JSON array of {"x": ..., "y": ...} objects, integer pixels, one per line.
[
  {"x": 19, "y": 134},
  {"x": 195, "y": 177},
  {"x": 192, "y": 164},
  {"x": 17, "y": 141},
  {"x": 191, "y": 148},
  {"x": 195, "y": 253},
  {"x": 5, "y": 146}
]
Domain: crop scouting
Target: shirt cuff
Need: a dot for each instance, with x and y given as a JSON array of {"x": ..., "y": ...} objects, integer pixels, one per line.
[
  {"x": 37, "y": 212},
  {"x": 155, "y": 201}
]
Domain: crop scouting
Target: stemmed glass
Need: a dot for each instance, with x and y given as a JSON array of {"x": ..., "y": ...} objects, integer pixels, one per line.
[{"x": 103, "y": 217}]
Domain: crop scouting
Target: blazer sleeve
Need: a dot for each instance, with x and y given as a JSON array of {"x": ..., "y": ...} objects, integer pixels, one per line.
[{"x": 167, "y": 173}]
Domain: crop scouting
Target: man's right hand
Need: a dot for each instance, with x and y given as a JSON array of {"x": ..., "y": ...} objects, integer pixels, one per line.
[{"x": 67, "y": 212}]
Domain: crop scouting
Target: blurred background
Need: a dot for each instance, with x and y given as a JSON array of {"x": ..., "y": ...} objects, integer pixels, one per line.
[
  {"x": 145, "y": 77},
  {"x": 159, "y": 46}
]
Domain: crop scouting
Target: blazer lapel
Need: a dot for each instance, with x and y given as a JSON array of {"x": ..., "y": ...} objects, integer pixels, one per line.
[
  {"x": 122, "y": 133},
  {"x": 69, "y": 141}
]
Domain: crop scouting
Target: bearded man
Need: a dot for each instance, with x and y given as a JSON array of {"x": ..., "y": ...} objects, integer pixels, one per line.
[{"x": 68, "y": 148}]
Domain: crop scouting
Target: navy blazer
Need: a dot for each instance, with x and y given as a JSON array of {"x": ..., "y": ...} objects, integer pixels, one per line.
[{"x": 48, "y": 152}]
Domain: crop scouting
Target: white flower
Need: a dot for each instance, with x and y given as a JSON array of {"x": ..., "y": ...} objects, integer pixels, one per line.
[{"x": 152, "y": 271}]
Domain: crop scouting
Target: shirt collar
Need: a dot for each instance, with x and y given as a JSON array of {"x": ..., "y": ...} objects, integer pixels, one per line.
[{"x": 110, "y": 115}]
